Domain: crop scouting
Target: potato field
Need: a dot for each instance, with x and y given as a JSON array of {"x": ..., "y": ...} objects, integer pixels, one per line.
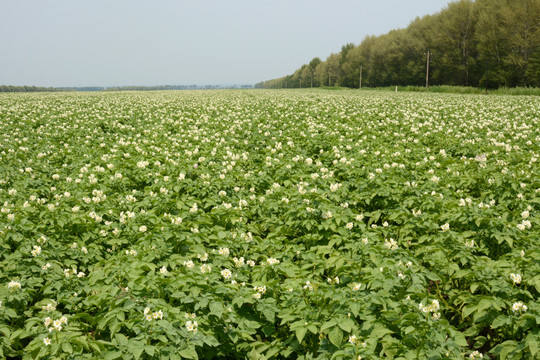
[{"x": 260, "y": 224}]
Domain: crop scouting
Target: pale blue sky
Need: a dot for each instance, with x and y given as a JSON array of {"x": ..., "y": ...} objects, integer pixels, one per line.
[{"x": 180, "y": 42}]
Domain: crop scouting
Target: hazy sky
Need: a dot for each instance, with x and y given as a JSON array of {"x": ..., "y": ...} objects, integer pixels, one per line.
[{"x": 182, "y": 42}]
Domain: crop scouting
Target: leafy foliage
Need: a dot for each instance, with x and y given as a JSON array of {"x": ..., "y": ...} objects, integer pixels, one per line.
[
  {"x": 262, "y": 224},
  {"x": 481, "y": 43}
]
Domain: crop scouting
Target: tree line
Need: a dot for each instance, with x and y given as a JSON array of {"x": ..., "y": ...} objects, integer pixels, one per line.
[
  {"x": 11, "y": 88},
  {"x": 176, "y": 87},
  {"x": 24, "y": 88},
  {"x": 482, "y": 43}
]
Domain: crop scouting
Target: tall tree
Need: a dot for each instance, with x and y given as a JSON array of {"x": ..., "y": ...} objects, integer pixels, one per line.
[
  {"x": 454, "y": 42},
  {"x": 522, "y": 36},
  {"x": 312, "y": 67},
  {"x": 489, "y": 41},
  {"x": 346, "y": 76},
  {"x": 333, "y": 69}
]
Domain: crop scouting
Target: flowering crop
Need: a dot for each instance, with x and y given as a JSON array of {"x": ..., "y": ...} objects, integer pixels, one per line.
[{"x": 260, "y": 224}]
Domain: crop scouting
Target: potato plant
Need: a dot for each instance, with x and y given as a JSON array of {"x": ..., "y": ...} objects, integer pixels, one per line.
[{"x": 269, "y": 224}]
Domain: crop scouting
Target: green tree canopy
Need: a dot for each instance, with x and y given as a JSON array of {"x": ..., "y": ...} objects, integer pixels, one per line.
[{"x": 471, "y": 43}]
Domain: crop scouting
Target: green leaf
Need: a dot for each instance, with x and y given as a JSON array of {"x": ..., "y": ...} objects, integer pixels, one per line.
[
  {"x": 269, "y": 314},
  {"x": 328, "y": 324},
  {"x": 346, "y": 324},
  {"x": 255, "y": 355},
  {"x": 272, "y": 351},
  {"x": 111, "y": 355},
  {"x": 249, "y": 324},
  {"x": 268, "y": 330},
  {"x": 409, "y": 329},
  {"x": 505, "y": 348},
  {"x": 189, "y": 353},
  {"x": 150, "y": 350},
  {"x": 336, "y": 336},
  {"x": 5, "y": 330},
  {"x": 10, "y": 313},
  {"x": 468, "y": 310},
  {"x": 137, "y": 352},
  {"x": 19, "y": 334},
  {"x": 300, "y": 333},
  {"x": 380, "y": 331},
  {"x": 66, "y": 346},
  {"x": 210, "y": 341},
  {"x": 460, "y": 340},
  {"x": 313, "y": 329},
  {"x": 82, "y": 341},
  {"x": 500, "y": 321},
  {"x": 216, "y": 308},
  {"x": 136, "y": 348},
  {"x": 472, "y": 331},
  {"x": 531, "y": 342},
  {"x": 355, "y": 308}
]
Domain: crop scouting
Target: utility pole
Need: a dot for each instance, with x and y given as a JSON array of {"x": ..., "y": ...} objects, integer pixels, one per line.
[
  {"x": 427, "y": 71},
  {"x": 360, "y": 77},
  {"x": 487, "y": 75}
]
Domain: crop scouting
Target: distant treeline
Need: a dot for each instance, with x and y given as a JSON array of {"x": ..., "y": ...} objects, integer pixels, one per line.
[
  {"x": 84, "y": 88},
  {"x": 468, "y": 43},
  {"x": 10, "y": 88},
  {"x": 176, "y": 87},
  {"x": 151, "y": 88}
]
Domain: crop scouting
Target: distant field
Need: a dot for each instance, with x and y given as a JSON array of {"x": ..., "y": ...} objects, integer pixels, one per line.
[{"x": 269, "y": 224}]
